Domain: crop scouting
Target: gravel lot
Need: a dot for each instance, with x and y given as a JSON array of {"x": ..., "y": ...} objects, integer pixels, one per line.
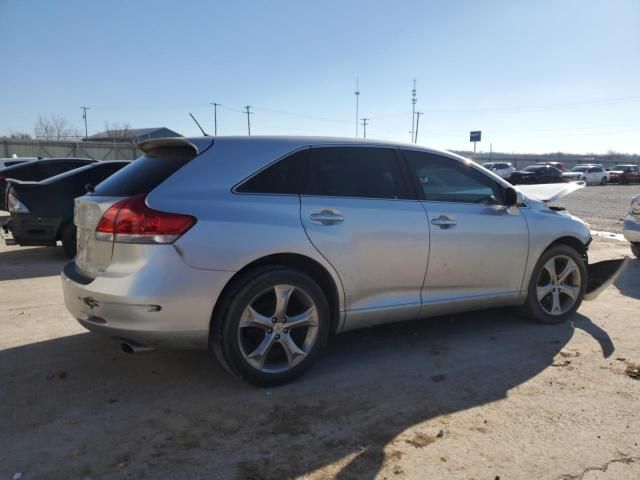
[
  {"x": 476, "y": 396},
  {"x": 603, "y": 207}
]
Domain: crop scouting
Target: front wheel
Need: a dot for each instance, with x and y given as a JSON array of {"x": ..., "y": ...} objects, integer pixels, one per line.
[
  {"x": 271, "y": 326},
  {"x": 603, "y": 181},
  {"x": 557, "y": 285}
]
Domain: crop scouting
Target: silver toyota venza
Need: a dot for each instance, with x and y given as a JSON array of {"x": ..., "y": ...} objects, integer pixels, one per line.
[{"x": 259, "y": 248}]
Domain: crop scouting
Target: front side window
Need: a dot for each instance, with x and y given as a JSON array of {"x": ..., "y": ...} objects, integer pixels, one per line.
[
  {"x": 355, "y": 172},
  {"x": 286, "y": 176},
  {"x": 447, "y": 180}
]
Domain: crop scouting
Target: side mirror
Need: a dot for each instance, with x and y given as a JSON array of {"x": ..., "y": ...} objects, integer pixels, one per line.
[{"x": 512, "y": 197}]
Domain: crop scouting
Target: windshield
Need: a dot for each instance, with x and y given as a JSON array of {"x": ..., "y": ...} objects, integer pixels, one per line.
[
  {"x": 534, "y": 168},
  {"x": 579, "y": 169}
]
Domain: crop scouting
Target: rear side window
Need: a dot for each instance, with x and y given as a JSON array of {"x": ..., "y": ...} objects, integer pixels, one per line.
[
  {"x": 146, "y": 173},
  {"x": 446, "y": 180},
  {"x": 355, "y": 172},
  {"x": 286, "y": 176}
]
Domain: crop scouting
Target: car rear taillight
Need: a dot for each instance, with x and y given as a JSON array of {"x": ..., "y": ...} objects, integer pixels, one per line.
[
  {"x": 15, "y": 205},
  {"x": 132, "y": 221},
  {"x": 2, "y": 177}
]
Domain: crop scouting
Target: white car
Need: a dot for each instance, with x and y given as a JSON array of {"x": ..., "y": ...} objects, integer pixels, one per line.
[
  {"x": 631, "y": 228},
  {"x": 502, "y": 169},
  {"x": 591, "y": 174}
]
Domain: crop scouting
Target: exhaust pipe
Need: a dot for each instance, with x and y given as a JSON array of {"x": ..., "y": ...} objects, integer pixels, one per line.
[{"x": 132, "y": 347}]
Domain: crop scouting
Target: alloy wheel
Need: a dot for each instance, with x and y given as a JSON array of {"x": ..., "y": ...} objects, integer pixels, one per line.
[
  {"x": 278, "y": 329},
  {"x": 558, "y": 285}
]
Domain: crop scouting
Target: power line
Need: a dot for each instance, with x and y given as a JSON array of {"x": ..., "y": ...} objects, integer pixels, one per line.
[
  {"x": 84, "y": 116},
  {"x": 249, "y": 113},
  {"x": 215, "y": 117},
  {"x": 365, "y": 122}
]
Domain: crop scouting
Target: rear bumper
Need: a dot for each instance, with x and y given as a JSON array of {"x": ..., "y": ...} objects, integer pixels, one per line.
[
  {"x": 164, "y": 303},
  {"x": 30, "y": 230},
  {"x": 631, "y": 228}
]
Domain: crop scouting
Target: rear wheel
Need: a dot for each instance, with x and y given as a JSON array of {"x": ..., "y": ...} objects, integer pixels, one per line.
[
  {"x": 557, "y": 285},
  {"x": 68, "y": 238},
  {"x": 635, "y": 249},
  {"x": 603, "y": 181},
  {"x": 271, "y": 326}
]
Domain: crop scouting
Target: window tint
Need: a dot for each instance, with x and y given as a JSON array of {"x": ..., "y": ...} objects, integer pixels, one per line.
[
  {"x": 287, "y": 176},
  {"x": 446, "y": 180},
  {"x": 355, "y": 172}
]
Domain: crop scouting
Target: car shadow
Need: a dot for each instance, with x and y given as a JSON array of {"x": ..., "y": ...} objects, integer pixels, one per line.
[
  {"x": 629, "y": 282},
  {"x": 31, "y": 262},
  {"x": 75, "y": 406}
]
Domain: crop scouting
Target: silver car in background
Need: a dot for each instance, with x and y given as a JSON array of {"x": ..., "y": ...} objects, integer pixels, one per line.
[
  {"x": 631, "y": 226},
  {"x": 259, "y": 248}
]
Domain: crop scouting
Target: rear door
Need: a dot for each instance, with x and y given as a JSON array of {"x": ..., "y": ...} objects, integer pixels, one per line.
[
  {"x": 359, "y": 213},
  {"x": 477, "y": 248}
]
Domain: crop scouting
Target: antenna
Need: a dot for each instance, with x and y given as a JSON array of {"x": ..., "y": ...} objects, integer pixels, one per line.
[{"x": 201, "y": 129}]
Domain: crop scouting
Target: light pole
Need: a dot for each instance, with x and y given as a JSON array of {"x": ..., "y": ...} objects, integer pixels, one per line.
[
  {"x": 249, "y": 113},
  {"x": 357, "y": 94},
  {"x": 84, "y": 116},
  {"x": 365, "y": 122}
]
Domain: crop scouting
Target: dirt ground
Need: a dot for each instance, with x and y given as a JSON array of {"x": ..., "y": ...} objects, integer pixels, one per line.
[{"x": 477, "y": 396}]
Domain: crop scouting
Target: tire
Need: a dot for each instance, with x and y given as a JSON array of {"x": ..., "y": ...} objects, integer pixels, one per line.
[
  {"x": 542, "y": 309},
  {"x": 250, "y": 320},
  {"x": 623, "y": 181},
  {"x": 635, "y": 249},
  {"x": 603, "y": 181},
  {"x": 68, "y": 238}
]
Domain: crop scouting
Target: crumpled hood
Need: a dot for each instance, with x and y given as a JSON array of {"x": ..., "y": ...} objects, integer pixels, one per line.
[{"x": 550, "y": 192}]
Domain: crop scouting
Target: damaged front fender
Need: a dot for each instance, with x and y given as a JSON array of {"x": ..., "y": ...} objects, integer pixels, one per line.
[{"x": 602, "y": 274}]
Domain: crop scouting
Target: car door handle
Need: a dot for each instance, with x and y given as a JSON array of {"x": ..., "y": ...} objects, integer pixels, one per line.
[
  {"x": 326, "y": 217},
  {"x": 443, "y": 221}
]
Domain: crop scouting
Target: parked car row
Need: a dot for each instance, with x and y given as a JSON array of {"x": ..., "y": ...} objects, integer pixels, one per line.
[
  {"x": 39, "y": 196},
  {"x": 555, "y": 172}
]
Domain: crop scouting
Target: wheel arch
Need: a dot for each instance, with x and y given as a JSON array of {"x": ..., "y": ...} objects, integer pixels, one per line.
[
  {"x": 300, "y": 262},
  {"x": 572, "y": 242}
]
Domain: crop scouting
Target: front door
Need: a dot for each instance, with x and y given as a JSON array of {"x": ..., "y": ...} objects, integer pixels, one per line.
[
  {"x": 358, "y": 212},
  {"x": 478, "y": 248}
]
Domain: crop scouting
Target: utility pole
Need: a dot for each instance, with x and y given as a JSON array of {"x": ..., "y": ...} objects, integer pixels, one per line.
[
  {"x": 249, "y": 113},
  {"x": 84, "y": 116},
  {"x": 357, "y": 94},
  {"x": 365, "y": 122},
  {"x": 215, "y": 117},
  {"x": 414, "y": 100},
  {"x": 417, "y": 124}
]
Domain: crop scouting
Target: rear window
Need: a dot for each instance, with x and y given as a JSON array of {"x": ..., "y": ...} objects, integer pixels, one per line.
[{"x": 145, "y": 173}]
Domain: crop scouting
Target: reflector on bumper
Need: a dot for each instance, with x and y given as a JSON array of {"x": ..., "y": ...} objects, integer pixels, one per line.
[{"x": 602, "y": 274}]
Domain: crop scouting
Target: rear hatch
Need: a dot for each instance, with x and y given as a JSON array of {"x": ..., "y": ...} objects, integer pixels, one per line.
[{"x": 161, "y": 159}]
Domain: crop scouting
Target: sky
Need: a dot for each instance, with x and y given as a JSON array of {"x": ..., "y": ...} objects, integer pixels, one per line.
[{"x": 533, "y": 76}]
